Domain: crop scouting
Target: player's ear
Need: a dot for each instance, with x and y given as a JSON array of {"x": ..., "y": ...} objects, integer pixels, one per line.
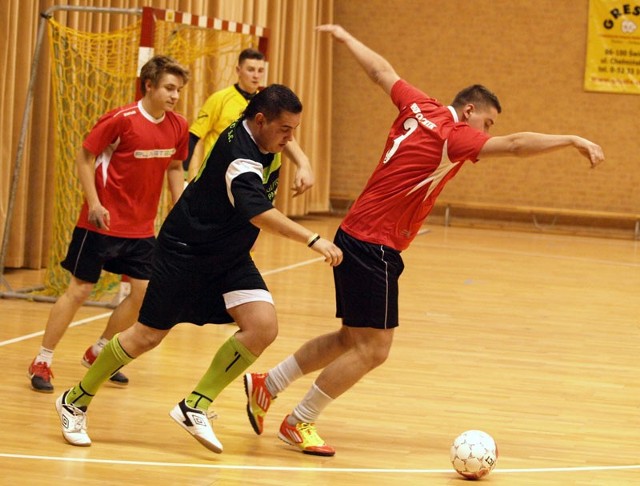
[
  {"x": 260, "y": 119},
  {"x": 467, "y": 111}
]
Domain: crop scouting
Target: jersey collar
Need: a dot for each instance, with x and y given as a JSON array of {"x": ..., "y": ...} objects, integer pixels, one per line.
[
  {"x": 454, "y": 113},
  {"x": 148, "y": 116},
  {"x": 246, "y": 127},
  {"x": 245, "y": 94}
]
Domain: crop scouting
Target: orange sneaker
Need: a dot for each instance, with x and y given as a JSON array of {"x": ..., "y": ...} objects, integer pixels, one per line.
[
  {"x": 40, "y": 375},
  {"x": 305, "y": 437},
  {"x": 258, "y": 399}
]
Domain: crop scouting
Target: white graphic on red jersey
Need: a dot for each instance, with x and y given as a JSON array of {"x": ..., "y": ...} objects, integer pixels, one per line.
[
  {"x": 410, "y": 125},
  {"x": 437, "y": 175}
]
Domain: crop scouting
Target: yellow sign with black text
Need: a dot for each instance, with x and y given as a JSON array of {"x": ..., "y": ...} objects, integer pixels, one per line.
[{"x": 613, "y": 47}]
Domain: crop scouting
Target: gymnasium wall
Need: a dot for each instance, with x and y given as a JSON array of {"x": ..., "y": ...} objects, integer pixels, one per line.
[{"x": 532, "y": 55}]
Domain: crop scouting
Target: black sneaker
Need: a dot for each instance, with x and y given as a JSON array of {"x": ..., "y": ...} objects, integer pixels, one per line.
[
  {"x": 117, "y": 378},
  {"x": 40, "y": 375}
]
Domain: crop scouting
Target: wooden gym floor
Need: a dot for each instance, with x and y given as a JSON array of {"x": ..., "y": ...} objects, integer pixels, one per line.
[{"x": 530, "y": 337}]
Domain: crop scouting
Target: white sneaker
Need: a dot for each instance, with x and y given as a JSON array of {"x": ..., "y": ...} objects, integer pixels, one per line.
[
  {"x": 73, "y": 421},
  {"x": 196, "y": 422}
]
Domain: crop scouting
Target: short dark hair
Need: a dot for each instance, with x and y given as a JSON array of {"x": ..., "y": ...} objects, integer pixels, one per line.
[
  {"x": 250, "y": 53},
  {"x": 158, "y": 66},
  {"x": 272, "y": 101},
  {"x": 478, "y": 95}
]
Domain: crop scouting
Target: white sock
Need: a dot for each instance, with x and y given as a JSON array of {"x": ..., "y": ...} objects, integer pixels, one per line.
[
  {"x": 280, "y": 377},
  {"x": 308, "y": 410},
  {"x": 45, "y": 356},
  {"x": 99, "y": 346}
]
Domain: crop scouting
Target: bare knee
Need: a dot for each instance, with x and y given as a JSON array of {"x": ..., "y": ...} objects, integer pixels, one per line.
[
  {"x": 373, "y": 346},
  {"x": 258, "y": 325},
  {"x": 261, "y": 334},
  {"x": 78, "y": 291},
  {"x": 139, "y": 339},
  {"x": 378, "y": 356}
]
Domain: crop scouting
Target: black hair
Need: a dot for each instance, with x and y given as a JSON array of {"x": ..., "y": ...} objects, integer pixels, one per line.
[
  {"x": 478, "y": 95},
  {"x": 250, "y": 53},
  {"x": 272, "y": 101}
]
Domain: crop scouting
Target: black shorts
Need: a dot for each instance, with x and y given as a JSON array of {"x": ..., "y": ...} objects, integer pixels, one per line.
[
  {"x": 183, "y": 289},
  {"x": 90, "y": 252},
  {"x": 367, "y": 283}
]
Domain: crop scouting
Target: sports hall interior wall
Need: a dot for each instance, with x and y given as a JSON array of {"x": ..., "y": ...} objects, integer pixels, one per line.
[{"x": 532, "y": 55}]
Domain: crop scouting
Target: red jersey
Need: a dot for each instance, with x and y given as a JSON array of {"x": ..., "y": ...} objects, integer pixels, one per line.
[
  {"x": 133, "y": 151},
  {"x": 425, "y": 148}
]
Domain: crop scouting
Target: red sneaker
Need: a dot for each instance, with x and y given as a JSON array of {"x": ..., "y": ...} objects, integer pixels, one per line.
[
  {"x": 258, "y": 399},
  {"x": 40, "y": 375}
]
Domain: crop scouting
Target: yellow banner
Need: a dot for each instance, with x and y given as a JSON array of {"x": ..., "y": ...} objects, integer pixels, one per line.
[{"x": 613, "y": 47}]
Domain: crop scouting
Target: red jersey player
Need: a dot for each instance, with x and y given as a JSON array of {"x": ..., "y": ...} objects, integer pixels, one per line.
[
  {"x": 121, "y": 166},
  {"x": 427, "y": 145}
]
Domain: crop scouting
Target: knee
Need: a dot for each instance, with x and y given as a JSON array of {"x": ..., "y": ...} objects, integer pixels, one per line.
[
  {"x": 139, "y": 339},
  {"x": 268, "y": 332},
  {"x": 378, "y": 356},
  {"x": 78, "y": 291},
  {"x": 374, "y": 352},
  {"x": 373, "y": 357},
  {"x": 78, "y": 294},
  {"x": 259, "y": 336},
  {"x": 150, "y": 340}
]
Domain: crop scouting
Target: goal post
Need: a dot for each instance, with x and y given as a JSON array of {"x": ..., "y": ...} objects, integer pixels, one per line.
[{"x": 93, "y": 73}]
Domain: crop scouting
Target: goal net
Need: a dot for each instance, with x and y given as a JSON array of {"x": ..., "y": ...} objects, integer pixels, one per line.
[{"x": 93, "y": 73}]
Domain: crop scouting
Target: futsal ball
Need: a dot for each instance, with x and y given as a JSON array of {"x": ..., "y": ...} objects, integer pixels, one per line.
[{"x": 474, "y": 454}]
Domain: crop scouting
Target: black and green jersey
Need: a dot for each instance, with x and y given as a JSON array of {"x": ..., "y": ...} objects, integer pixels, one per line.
[{"x": 211, "y": 219}]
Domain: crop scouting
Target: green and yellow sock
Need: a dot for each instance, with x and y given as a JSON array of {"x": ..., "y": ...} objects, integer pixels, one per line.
[
  {"x": 231, "y": 360},
  {"x": 111, "y": 359}
]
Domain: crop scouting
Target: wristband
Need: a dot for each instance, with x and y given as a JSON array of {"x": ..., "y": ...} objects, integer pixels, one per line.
[{"x": 312, "y": 239}]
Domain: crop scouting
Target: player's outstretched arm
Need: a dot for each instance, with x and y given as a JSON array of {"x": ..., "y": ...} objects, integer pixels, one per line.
[
  {"x": 274, "y": 221},
  {"x": 376, "y": 66},
  {"x": 523, "y": 144}
]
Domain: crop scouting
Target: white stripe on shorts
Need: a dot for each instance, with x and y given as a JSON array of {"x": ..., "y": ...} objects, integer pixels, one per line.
[{"x": 238, "y": 297}]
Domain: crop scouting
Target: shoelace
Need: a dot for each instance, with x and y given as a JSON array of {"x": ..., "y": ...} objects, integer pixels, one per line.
[
  {"x": 43, "y": 370},
  {"x": 309, "y": 431},
  {"x": 79, "y": 422}
]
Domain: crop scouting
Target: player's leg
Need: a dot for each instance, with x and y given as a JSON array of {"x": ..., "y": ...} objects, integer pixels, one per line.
[
  {"x": 131, "y": 257},
  {"x": 157, "y": 317},
  {"x": 60, "y": 317},
  {"x": 370, "y": 349},
  {"x": 253, "y": 311},
  {"x": 123, "y": 316},
  {"x": 262, "y": 388},
  {"x": 258, "y": 328},
  {"x": 367, "y": 300},
  {"x": 84, "y": 260},
  {"x": 119, "y": 351}
]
